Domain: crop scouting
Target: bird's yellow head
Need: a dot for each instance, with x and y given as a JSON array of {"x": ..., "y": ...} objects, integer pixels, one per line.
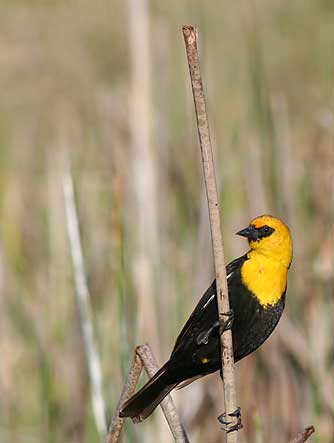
[{"x": 269, "y": 236}]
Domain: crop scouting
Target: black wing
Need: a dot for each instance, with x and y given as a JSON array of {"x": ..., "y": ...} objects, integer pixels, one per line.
[{"x": 208, "y": 297}]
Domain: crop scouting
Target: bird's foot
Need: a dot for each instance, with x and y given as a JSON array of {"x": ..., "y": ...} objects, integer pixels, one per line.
[
  {"x": 231, "y": 425},
  {"x": 227, "y": 324},
  {"x": 203, "y": 337}
]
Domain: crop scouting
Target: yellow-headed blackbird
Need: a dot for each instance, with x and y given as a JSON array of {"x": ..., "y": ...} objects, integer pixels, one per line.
[{"x": 257, "y": 284}]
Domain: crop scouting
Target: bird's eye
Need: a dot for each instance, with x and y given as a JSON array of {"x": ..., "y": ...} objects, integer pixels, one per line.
[{"x": 266, "y": 229}]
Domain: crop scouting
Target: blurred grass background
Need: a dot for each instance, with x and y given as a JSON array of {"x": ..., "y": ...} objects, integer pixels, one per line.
[{"x": 105, "y": 85}]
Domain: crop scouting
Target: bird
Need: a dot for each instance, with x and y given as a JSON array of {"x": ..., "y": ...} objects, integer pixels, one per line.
[{"x": 257, "y": 284}]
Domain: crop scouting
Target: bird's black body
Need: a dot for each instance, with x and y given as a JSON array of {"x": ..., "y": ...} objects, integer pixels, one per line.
[
  {"x": 197, "y": 349},
  {"x": 251, "y": 326}
]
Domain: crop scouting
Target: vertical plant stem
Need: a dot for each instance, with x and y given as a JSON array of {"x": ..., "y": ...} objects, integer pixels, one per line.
[
  {"x": 85, "y": 311},
  {"x": 143, "y": 176},
  {"x": 227, "y": 362}
]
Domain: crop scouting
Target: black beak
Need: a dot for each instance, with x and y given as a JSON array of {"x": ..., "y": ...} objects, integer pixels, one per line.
[{"x": 250, "y": 232}]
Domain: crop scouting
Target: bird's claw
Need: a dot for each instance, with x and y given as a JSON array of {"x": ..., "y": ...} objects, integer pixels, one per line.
[
  {"x": 229, "y": 426},
  {"x": 227, "y": 324},
  {"x": 203, "y": 337}
]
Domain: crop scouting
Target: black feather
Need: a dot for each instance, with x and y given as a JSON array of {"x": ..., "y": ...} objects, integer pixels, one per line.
[{"x": 191, "y": 357}]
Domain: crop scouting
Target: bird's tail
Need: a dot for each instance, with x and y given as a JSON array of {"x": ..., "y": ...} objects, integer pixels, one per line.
[{"x": 143, "y": 403}]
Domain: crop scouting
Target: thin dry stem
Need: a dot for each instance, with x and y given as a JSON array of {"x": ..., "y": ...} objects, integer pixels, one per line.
[
  {"x": 85, "y": 311},
  {"x": 303, "y": 436},
  {"x": 167, "y": 405},
  {"x": 129, "y": 388},
  {"x": 227, "y": 363},
  {"x": 143, "y": 357}
]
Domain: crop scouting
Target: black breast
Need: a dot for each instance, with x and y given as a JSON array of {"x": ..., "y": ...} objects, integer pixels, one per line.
[{"x": 253, "y": 323}]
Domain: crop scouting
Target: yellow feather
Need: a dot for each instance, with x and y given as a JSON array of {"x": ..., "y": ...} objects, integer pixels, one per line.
[
  {"x": 265, "y": 278},
  {"x": 265, "y": 272}
]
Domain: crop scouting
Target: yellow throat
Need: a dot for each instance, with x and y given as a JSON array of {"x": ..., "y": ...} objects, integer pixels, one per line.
[{"x": 265, "y": 272}]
